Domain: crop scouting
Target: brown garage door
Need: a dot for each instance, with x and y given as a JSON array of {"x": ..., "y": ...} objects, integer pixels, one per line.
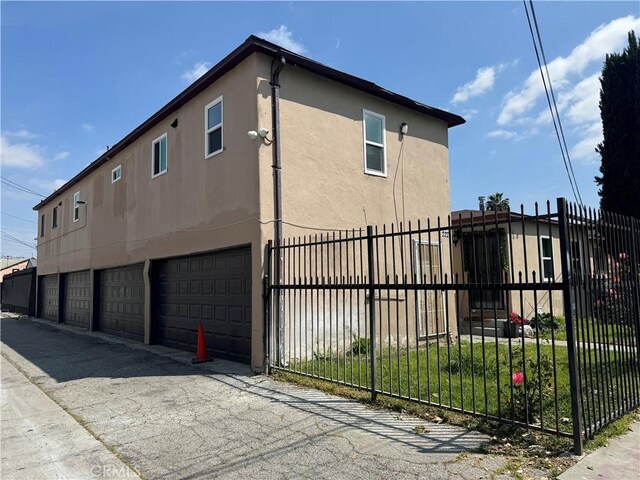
[
  {"x": 77, "y": 296},
  {"x": 214, "y": 289},
  {"x": 48, "y": 297},
  {"x": 121, "y": 301}
]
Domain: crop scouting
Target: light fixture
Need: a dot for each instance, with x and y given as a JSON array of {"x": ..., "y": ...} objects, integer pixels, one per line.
[
  {"x": 252, "y": 134},
  {"x": 81, "y": 202},
  {"x": 263, "y": 132},
  {"x": 404, "y": 128}
]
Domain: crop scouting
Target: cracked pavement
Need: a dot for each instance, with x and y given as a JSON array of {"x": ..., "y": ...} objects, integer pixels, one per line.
[{"x": 168, "y": 420}]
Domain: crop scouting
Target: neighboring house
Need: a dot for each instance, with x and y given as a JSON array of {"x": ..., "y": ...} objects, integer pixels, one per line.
[
  {"x": 505, "y": 247},
  {"x": 168, "y": 228},
  {"x": 14, "y": 264}
]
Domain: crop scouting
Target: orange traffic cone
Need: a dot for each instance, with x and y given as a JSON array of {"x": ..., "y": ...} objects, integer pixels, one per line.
[{"x": 201, "y": 353}]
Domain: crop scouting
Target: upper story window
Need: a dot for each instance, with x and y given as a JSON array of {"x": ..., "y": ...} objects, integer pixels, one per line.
[
  {"x": 213, "y": 143},
  {"x": 54, "y": 217},
  {"x": 375, "y": 158},
  {"x": 76, "y": 206},
  {"x": 547, "y": 259},
  {"x": 116, "y": 174},
  {"x": 159, "y": 156},
  {"x": 42, "y": 225}
]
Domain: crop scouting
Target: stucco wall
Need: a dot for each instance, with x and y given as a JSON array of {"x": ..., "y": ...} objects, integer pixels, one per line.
[
  {"x": 198, "y": 205},
  {"x": 324, "y": 184}
]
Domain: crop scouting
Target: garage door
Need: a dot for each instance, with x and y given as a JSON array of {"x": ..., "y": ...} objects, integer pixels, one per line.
[
  {"x": 121, "y": 301},
  {"x": 77, "y": 296},
  {"x": 214, "y": 289},
  {"x": 48, "y": 297}
]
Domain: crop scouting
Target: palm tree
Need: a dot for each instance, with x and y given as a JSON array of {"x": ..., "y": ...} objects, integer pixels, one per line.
[{"x": 496, "y": 203}]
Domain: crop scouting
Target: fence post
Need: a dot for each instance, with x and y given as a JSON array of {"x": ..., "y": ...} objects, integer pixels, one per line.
[
  {"x": 266, "y": 301},
  {"x": 634, "y": 259},
  {"x": 372, "y": 311},
  {"x": 568, "y": 299}
]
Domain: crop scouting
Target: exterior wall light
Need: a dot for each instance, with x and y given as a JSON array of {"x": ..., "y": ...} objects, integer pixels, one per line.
[
  {"x": 252, "y": 134},
  {"x": 404, "y": 129}
]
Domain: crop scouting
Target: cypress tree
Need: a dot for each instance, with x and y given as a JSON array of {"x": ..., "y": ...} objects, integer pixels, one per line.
[{"x": 620, "y": 150}]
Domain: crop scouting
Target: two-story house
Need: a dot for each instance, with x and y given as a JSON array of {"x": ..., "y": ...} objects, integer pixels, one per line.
[{"x": 168, "y": 228}]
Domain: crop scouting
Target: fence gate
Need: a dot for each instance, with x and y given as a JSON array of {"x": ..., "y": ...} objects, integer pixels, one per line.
[{"x": 526, "y": 319}]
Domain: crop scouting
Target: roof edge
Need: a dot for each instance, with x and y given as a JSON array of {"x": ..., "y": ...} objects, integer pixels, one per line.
[{"x": 251, "y": 45}]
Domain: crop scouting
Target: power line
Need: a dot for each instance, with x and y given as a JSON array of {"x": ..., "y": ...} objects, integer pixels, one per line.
[
  {"x": 566, "y": 159},
  {"x": 553, "y": 97},
  {"x": 19, "y": 218},
  {"x": 10, "y": 238},
  {"x": 17, "y": 186}
]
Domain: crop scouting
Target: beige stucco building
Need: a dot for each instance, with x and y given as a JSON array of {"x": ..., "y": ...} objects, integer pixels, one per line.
[{"x": 168, "y": 228}]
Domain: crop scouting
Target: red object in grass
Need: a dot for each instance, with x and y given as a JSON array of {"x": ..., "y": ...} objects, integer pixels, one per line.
[{"x": 517, "y": 378}]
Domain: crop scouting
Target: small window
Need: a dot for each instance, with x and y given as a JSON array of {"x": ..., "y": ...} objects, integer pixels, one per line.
[
  {"x": 547, "y": 259},
  {"x": 76, "y": 206},
  {"x": 159, "y": 156},
  {"x": 42, "y": 224},
  {"x": 375, "y": 161},
  {"x": 116, "y": 174},
  {"x": 54, "y": 217},
  {"x": 213, "y": 120}
]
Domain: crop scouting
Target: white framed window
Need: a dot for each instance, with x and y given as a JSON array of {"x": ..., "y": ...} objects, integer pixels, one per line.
[
  {"x": 76, "y": 206},
  {"x": 375, "y": 154},
  {"x": 547, "y": 258},
  {"x": 116, "y": 174},
  {"x": 159, "y": 156},
  {"x": 213, "y": 129}
]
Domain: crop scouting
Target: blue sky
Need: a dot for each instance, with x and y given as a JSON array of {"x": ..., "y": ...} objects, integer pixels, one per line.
[{"x": 78, "y": 76}]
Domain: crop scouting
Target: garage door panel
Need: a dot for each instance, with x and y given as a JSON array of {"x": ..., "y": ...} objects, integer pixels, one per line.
[
  {"x": 211, "y": 288},
  {"x": 48, "y": 297},
  {"x": 121, "y": 301},
  {"x": 77, "y": 299}
]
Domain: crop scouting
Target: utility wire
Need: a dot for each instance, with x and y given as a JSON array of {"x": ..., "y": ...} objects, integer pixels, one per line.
[
  {"x": 19, "y": 218},
  {"x": 17, "y": 186},
  {"x": 561, "y": 141},
  {"x": 11, "y": 238},
  {"x": 553, "y": 97}
]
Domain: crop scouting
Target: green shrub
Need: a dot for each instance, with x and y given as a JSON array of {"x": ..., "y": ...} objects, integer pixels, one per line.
[{"x": 360, "y": 345}]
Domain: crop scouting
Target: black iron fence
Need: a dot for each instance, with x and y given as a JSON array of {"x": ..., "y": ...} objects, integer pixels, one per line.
[{"x": 526, "y": 319}]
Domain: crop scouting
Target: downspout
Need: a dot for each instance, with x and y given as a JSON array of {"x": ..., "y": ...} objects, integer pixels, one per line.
[{"x": 277, "y": 65}]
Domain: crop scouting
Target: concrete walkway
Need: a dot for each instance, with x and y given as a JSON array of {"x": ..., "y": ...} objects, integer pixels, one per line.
[
  {"x": 41, "y": 441},
  {"x": 619, "y": 460},
  {"x": 170, "y": 420}
]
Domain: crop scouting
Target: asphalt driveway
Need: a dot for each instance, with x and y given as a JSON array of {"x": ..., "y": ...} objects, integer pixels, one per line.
[{"x": 167, "y": 419}]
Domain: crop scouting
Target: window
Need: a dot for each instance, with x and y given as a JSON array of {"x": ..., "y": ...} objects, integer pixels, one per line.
[
  {"x": 213, "y": 128},
  {"x": 547, "y": 259},
  {"x": 159, "y": 156},
  {"x": 42, "y": 225},
  {"x": 76, "y": 206},
  {"x": 116, "y": 174},
  {"x": 54, "y": 217},
  {"x": 375, "y": 159}
]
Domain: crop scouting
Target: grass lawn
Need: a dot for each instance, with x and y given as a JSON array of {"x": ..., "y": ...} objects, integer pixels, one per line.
[
  {"x": 592, "y": 331},
  {"x": 470, "y": 379}
]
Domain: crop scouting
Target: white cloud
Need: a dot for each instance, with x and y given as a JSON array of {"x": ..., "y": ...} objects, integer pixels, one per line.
[
  {"x": 284, "y": 37},
  {"x": 501, "y": 134},
  {"x": 196, "y": 72},
  {"x": 604, "y": 39},
  {"x": 88, "y": 127},
  {"x": 47, "y": 185},
  {"x": 61, "y": 156},
  {"x": 469, "y": 113},
  {"x": 20, "y": 155},
  {"x": 485, "y": 78},
  {"x": 484, "y": 81},
  {"x": 22, "y": 134},
  {"x": 584, "y": 150}
]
